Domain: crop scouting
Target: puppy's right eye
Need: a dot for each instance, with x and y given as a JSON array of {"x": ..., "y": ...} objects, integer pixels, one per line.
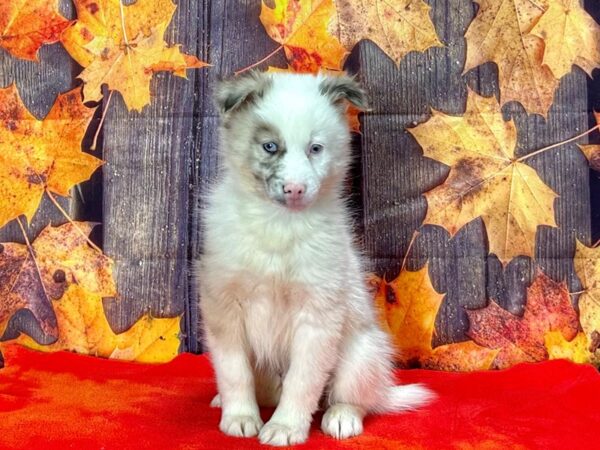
[{"x": 270, "y": 147}]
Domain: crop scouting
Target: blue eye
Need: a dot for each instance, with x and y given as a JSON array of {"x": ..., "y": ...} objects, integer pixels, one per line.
[
  {"x": 270, "y": 147},
  {"x": 316, "y": 148}
]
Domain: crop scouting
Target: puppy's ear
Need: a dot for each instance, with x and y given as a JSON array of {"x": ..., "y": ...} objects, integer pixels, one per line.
[
  {"x": 231, "y": 94},
  {"x": 343, "y": 87}
]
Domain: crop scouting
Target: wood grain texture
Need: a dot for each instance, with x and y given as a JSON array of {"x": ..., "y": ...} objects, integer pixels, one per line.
[
  {"x": 146, "y": 188},
  {"x": 161, "y": 162},
  {"x": 395, "y": 174}
]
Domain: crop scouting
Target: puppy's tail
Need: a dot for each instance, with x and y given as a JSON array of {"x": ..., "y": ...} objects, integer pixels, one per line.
[{"x": 406, "y": 397}]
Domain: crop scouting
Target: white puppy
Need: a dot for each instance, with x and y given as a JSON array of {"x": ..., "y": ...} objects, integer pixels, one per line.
[{"x": 286, "y": 314}]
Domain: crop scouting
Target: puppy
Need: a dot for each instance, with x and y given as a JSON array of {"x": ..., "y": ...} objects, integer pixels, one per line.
[{"x": 286, "y": 314}]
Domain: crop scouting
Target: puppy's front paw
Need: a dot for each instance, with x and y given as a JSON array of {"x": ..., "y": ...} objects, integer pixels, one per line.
[
  {"x": 342, "y": 421},
  {"x": 280, "y": 434},
  {"x": 240, "y": 426}
]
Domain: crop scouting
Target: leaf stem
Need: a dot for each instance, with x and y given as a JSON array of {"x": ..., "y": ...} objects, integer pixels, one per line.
[
  {"x": 32, "y": 253},
  {"x": 558, "y": 144},
  {"x": 64, "y": 213},
  {"x": 123, "y": 23},
  {"x": 258, "y": 62},
  {"x": 410, "y": 244},
  {"x": 95, "y": 141}
]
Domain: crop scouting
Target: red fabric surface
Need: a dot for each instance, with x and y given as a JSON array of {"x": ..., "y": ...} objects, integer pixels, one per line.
[{"x": 63, "y": 400}]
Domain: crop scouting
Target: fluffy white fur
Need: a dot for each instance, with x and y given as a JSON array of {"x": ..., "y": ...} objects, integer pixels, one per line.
[{"x": 286, "y": 314}]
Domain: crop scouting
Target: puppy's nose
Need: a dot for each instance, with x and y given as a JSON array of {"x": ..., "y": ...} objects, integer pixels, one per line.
[{"x": 294, "y": 191}]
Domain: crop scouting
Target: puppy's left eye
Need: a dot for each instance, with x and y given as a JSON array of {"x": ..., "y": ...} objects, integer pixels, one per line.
[
  {"x": 316, "y": 148},
  {"x": 270, "y": 147}
]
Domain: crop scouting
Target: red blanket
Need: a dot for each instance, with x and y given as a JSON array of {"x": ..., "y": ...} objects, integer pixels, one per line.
[{"x": 63, "y": 400}]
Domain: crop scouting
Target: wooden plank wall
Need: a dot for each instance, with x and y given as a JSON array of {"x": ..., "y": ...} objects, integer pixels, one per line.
[{"x": 160, "y": 162}]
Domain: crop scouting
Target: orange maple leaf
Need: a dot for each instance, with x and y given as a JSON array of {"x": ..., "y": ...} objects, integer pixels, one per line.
[
  {"x": 408, "y": 307},
  {"x": 40, "y": 154},
  {"x": 300, "y": 26},
  {"x": 27, "y": 25},
  {"x": 123, "y": 46},
  {"x": 522, "y": 339},
  {"x": 500, "y": 33}
]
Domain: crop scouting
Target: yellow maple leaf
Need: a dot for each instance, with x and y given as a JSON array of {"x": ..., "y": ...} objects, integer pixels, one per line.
[
  {"x": 407, "y": 309},
  {"x": 587, "y": 267},
  {"x": 123, "y": 46},
  {"x": 62, "y": 256},
  {"x": 486, "y": 179},
  {"x": 396, "y": 27},
  {"x": 575, "y": 350},
  {"x": 571, "y": 36},
  {"x": 41, "y": 154},
  {"x": 592, "y": 153},
  {"x": 500, "y": 33},
  {"x": 300, "y": 27},
  {"x": 26, "y": 25},
  {"x": 83, "y": 328}
]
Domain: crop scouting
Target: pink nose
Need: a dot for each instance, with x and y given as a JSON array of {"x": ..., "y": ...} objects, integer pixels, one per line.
[{"x": 294, "y": 191}]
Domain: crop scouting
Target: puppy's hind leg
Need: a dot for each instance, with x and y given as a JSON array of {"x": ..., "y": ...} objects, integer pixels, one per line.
[
  {"x": 363, "y": 383},
  {"x": 267, "y": 387}
]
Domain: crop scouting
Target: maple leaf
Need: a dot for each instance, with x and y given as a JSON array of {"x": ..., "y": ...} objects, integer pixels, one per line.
[
  {"x": 592, "y": 153},
  {"x": 587, "y": 267},
  {"x": 83, "y": 328},
  {"x": 62, "y": 256},
  {"x": 571, "y": 36},
  {"x": 26, "y": 25},
  {"x": 396, "y": 27},
  {"x": 300, "y": 27},
  {"x": 485, "y": 180},
  {"x": 500, "y": 33},
  {"x": 408, "y": 307},
  {"x": 40, "y": 154},
  {"x": 575, "y": 350},
  {"x": 521, "y": 339},
  {"x": 123, "y": 46},
  {"x": 460, "y": 357}
]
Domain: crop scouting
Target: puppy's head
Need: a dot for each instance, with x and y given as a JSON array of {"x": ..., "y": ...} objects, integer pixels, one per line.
[{"x": 286, "y": 135}]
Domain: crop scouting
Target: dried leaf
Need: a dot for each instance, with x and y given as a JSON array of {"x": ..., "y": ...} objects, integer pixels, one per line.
[
  {"x": 500, "y": 33},
  {"x": 575, "y": 350},
  {"x": 83, "y": 328},
  {"x": 27, "y": 25},
  {"x": 571, "y": 36},
  {"x": 521, "y": 339},
  {"x": 123, "y": 46},
  {"x": 587, "y": 267},
  {"x": 409, "y": 305},
  {"x": 63, "y": 256},
  {"x": 39, "y": 154},
  {"x": 396, "y": 27},
  {"x": 592, "y": 153},
  {"x": 485, "y": 178},
  {"x": 300, "y": 26},
  {"x": 460, "y": 357}
]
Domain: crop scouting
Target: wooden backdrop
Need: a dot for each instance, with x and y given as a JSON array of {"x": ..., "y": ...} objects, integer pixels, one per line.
[{"x": 148, "y": 195}]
